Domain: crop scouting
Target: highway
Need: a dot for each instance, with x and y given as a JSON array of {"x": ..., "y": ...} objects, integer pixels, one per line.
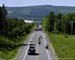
[{"x": 44, "y": 54}]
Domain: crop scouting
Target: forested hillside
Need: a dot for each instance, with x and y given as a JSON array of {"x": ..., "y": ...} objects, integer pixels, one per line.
[{"x": 37, "y": 12}]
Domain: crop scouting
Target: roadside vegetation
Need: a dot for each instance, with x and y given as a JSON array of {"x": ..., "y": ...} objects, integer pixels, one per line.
[
  {"x": 61, "y": 32},
  {"x": 12, "y": 33}
]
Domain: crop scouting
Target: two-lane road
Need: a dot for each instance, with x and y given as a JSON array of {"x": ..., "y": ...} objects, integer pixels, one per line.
[{"x": 44, "y": 54}]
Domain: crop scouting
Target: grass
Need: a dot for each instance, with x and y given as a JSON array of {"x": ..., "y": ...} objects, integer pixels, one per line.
[
  {"x": 6, "y": 54},
  {"x": 64, "y": 46}
]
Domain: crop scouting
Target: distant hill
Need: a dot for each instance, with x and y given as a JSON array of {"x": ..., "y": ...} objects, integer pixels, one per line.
[{"x": 37, "y": 12}]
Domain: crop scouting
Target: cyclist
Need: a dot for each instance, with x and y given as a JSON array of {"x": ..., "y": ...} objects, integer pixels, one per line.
[{"x": 39, "y": 41}]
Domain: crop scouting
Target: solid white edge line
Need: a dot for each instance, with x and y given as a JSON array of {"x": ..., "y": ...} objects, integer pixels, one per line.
[
  {"x": 27, "y": 48},
  {"x": 45, "y": 45},
  {"x": 48, "y": 55},
  {"x": 26, "y": 53}
]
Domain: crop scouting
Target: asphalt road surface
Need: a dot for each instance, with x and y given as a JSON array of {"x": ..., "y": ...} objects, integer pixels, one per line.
[{"x": 44, "y": 54}]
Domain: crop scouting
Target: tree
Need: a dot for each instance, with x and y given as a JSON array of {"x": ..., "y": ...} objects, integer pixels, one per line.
[
  {"x": 59, "y": 21},
  {"x": 3, "y": 22},
  {"x": 51, "y": 21}
]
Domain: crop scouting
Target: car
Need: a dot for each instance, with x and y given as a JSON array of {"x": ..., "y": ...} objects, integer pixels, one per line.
[
  {"x": 31, "y": 50},
  {"x": 38, "y": 29}
]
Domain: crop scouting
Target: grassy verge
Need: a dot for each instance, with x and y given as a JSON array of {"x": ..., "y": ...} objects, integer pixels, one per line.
[
  {"x": 64, "y": 46},
  {"x": 9, "y": 54}
]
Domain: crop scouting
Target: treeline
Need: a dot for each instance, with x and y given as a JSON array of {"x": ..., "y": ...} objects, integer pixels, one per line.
[
  {"x": 60, "y": 23},
  {"x": 14, "y": 27},
  {"x": 11, "y": 31}
]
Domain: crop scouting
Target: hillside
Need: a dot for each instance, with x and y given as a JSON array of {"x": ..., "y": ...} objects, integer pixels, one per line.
[{"x": 37, "y": 12}]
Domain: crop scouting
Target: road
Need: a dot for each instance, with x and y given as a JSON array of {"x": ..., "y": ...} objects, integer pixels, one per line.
[{"x": 44, "y": 54}]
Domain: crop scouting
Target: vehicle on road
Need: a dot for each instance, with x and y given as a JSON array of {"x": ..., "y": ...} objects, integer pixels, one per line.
[
  {"x": 46, "y": 46},
  {"x": 31, "y": 50},
  {"x": 38, "y": 29},
  {"x": 39, "y": 41}
]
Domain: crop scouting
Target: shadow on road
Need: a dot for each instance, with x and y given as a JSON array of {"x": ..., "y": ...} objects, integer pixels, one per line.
[
  {"x": 9, "y": 48},
  {"x": 19, "y": 45},
  {"x": 34, "y": 54}
]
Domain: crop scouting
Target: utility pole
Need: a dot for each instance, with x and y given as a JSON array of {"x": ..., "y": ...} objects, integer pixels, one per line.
[
  {"x": 71, "y": 28},
  {"x": 54, "y": 27},
  {"x": 64, "y": 27}
]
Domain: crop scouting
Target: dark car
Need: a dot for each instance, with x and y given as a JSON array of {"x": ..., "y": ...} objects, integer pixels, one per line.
[
  {"x": 38, "y": 29},
  {"x": 31, "y": 50}
]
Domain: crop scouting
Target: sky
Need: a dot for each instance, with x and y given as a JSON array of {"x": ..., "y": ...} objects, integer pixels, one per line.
[{"x": 12, "y": 3}]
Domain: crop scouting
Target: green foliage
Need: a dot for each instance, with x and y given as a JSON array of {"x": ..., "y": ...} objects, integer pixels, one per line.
[
  {"x": 3, "y": 12},
  {"x": 12, "y": 31},
  {"x": 60, "y": 22},
  {"x": 63, "y": 45},
  {"x": 50, "y": 19}
]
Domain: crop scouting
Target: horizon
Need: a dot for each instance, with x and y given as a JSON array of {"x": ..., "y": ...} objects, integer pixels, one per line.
[
  {"x": 36, "y": 5},
  {"x": 21, "y": 3}
]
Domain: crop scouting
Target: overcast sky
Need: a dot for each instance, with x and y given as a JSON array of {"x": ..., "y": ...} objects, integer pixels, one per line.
[{"x": 37, "y": 2}]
